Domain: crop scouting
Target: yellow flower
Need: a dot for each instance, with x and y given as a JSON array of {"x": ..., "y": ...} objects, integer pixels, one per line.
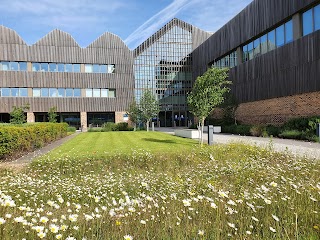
[{"x": 118, "y": 223}]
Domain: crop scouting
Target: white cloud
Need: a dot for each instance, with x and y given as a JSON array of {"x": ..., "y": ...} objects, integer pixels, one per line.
[
  {"x": 157, "y": 21},
  {"x": 209, "y": 15}
]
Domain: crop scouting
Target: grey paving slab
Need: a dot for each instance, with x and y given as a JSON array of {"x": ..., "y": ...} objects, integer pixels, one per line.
[{"x": 301, "y": 148}]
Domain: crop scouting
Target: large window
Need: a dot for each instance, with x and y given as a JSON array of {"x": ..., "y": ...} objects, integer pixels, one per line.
[
  {"x": 307, "y": 22},
  {"x": 227, "y": 61},
  {"x": 277, "y": 37},
  {"x": 13, "y": 66},
  {"x": 57, "y": 92},
  {"x": 311, "y": 20},
  {"x": 99, "y": 68}
]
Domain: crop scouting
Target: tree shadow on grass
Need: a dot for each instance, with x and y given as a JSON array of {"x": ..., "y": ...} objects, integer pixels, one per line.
[{"x": 158, "y": 140}]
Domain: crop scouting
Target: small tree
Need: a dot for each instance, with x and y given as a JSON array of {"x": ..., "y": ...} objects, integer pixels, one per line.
[
  {"x": 207, "y": 93},
  {"x": 134, "y": 113},
  {"x": 52, "y": 115},
  {"x": 17, "y": 115},
  {"x": 149, "y": 107}
]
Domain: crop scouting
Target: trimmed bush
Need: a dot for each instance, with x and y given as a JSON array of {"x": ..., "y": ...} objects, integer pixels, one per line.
[
  {"x": 273, "y": 130},
  {"x": 237, "y": 129},
  {"x": 72, "y": 129},
  {"x": 291, "y": 134},
  {"x": 109, "y": 126},
  {"x": 18, "y": 139}
]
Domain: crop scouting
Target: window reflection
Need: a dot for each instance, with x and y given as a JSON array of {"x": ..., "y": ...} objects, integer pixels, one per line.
[
  {"x": 23, "y": 66},
  {"x": 280, "y": 36},
  {"x": 289, "y": 31},
  {"x": 317, "y": 18},
  {"x": 44, "y": 92},
  {"x": 52, "y": 67},
  {"x": 307, "y": 22}
]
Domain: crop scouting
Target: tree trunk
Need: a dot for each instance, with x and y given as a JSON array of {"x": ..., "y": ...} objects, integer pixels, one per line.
[
  {"x": 202, "y": 125},
  {"x": 135, "y": 127},
  {"x": 148, "y": 126},
  {"x": 199, "y": 131}
]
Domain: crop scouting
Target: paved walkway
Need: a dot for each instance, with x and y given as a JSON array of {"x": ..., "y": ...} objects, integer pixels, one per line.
[
  {"x": 39, "y": 152},
  {"x": 301, "y": 148}
]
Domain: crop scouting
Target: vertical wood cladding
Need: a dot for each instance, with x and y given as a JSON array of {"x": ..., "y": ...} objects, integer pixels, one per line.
[
  {"x": 60, "y": 47},
  {"x": 288, "y": 70}
]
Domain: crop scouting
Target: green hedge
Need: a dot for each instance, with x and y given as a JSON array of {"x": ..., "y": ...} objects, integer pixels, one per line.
[
  {"x": 109, "y": 127},
  {"x": 18, "y": 139}
]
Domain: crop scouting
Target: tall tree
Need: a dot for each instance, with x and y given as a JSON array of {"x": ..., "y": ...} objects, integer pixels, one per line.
[
  {"x": 207, "y": 93},
  {"x": 149, "y": 107},
  {"x": 134, "y": 113}
]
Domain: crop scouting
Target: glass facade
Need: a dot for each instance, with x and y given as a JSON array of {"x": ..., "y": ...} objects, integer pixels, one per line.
[
  {"x": 311, "y": 20},
  {"x": 165, "y": 68}
]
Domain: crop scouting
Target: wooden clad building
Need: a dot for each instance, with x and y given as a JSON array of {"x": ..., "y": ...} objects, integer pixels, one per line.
[
  {"x": 276, "y": 70},
  {"x": 94, "y": 84}
]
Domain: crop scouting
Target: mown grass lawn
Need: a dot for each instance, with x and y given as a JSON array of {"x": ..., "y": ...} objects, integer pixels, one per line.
[
  {"x": 102, "y": 143},
  {"x": 156, "y": 186}
]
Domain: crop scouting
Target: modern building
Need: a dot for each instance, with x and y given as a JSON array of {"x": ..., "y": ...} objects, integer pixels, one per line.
[
  {"x": 272, "y": 48},
  {"x": 163, "y": 64},
  {"x": 88, "y": 85}
]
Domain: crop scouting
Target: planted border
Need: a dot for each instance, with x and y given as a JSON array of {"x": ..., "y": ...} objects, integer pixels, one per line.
[{"x": 18, "y": 139}]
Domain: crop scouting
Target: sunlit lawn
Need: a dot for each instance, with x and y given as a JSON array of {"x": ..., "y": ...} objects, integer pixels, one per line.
[
  {"x": 102, "y": 143},
  {"x": 139, "y": 185}
]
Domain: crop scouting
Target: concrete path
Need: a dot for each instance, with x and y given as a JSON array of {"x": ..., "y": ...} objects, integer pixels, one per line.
[
  {"x": 301, "y": 148},
  {"x": 39, "y": 152}
]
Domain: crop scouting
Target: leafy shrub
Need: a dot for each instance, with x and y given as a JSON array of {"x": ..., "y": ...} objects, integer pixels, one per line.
[
  {"x": 237, "y": 129},
  {"x": 109, "y": 126},
  {"x": 302, "y": 124},
  {"x": 306, "y": 126},
  {"x": 273, "y": 130},
  {"x": 291, "y": 134},
  {"x": 95, "y": 129},
  {"x": 258, "y": 131},
  {"x": 71, "y": 129},
  {"x": 123, "y": 126},
  {"x": 18, "y": 139}
]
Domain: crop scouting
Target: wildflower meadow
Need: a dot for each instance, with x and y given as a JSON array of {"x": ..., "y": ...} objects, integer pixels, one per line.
[{"x": 233, "y": 191}]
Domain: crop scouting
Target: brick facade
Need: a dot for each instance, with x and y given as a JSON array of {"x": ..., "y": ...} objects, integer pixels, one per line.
[
  {"x": 119, "y": 117},
  {"x": 277, "y": 110}
]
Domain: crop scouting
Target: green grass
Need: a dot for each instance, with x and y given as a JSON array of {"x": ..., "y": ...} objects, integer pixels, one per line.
[
  {"x": 102, "y": 143},
  {"x": 154, "y": 186}
]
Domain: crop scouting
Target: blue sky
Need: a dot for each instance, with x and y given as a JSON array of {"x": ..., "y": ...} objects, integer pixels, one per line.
[{"x": 132, "y": 20}]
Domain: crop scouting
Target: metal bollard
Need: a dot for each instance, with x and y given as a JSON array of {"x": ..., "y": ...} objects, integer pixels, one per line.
[
  {"x": 318, "y": 131},
  {"x": 210, "y": 135}
]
